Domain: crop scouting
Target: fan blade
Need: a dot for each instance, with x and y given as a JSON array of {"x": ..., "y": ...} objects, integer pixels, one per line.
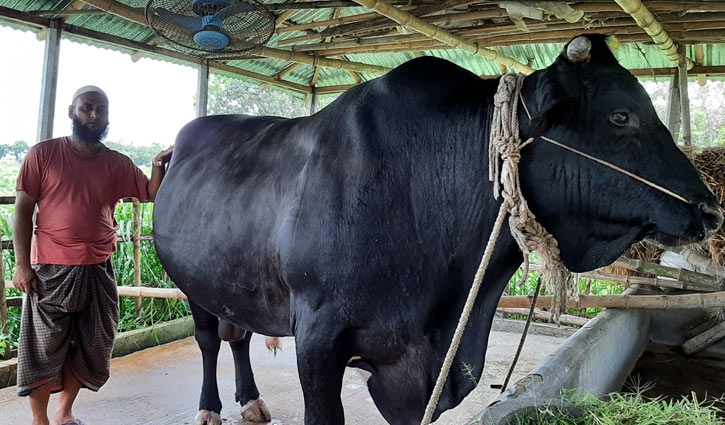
[
  {"x": 234, "y": 9},
  {"x": 185, "y": 22}
]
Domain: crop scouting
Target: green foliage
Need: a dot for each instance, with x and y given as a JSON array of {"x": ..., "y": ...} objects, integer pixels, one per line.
[
  {"x": 140, "y": 155},
  {"x": 628, "y": 409},
  {"x": 17, "y": 149},
  {"x": 706, "y": 110},
  {"x": 230, "y": 95},
  {"x": 586, "y": 286}
]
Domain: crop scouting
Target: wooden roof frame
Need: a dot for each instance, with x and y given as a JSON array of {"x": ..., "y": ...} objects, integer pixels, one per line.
[{"x": 365, "y": 33}]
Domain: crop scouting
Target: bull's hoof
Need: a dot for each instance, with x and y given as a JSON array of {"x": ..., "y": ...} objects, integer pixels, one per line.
[
  {"x": 256, "y": 411},
  {"x": 207, "y": 417}
]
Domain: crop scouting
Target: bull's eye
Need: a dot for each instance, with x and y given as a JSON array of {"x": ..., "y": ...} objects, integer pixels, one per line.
[{"x": 619, "y": 119}]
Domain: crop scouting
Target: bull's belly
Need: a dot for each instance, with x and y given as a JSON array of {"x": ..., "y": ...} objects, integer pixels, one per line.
[{"x": 210, "y": 278}]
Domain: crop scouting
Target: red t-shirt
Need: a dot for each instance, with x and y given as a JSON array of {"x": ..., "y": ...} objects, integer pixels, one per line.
[{"x": 77, "y": 196}]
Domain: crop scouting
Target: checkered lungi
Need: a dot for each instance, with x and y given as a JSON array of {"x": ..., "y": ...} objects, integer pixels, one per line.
[{"x": 71, "y": 316}]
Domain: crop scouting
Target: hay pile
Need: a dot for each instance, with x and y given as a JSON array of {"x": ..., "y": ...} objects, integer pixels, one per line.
[{"x": 710, "y": 163}]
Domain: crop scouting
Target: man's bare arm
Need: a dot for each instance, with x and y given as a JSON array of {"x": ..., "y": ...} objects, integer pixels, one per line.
[
  {"x": 158, "y": 171},
  {"x": 24, "y": 278}
]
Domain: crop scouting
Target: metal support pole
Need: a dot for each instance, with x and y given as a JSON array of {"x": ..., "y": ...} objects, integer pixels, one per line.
[
  {"x": 673, "y": 106},
  {"x": 684, "y": 97},
  {"x": 202, "y": 89},
  {"x": 49, "y": 82}
]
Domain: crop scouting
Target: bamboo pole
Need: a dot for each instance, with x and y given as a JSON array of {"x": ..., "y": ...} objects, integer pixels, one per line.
[
  {"x": 436, "y": 33},
  {"x": 137, "y": 250},
  {"x": 3, "y": 300},
  {"x": 673, "y": 106},
  {"x": 638, "y": 280},
  {"x": 699, "y": 279},
  {"x": 700, "y": 60},
  {"x": 281, "y": 74},
  {"x": 651, "y": 302},
  {"x": 704, "y": 339},
  {"x": 119, "y": 9},
  {"x": 166, "y": 293},
  {"x": 647, "y": 21},
  {"x": 543, "y": 315}
]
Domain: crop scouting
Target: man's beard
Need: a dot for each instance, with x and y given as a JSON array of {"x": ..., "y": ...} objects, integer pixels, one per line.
[{"x": 91, "y": 136}]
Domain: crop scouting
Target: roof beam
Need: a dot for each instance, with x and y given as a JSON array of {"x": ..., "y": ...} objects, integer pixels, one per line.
[
  {"x": 39, "y": 22},
  {"x": 647, "y": 21},
  {"x": 713, "y": 71},
  {"x": 436, "y": 33},
  {"x": 376, "y": 23},
  {"x": 119, "y": 9}
]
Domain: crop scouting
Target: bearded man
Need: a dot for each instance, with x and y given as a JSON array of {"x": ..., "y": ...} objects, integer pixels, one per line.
[{"x": 63, "y": 262}]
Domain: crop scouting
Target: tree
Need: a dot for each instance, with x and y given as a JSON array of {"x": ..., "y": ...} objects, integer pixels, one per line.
[
  {"x": 140, "y": 155},
  {"x": 228, "y": 95},
  {"x": 4, "y": 150},
  {"x": 19, "y": 149}
]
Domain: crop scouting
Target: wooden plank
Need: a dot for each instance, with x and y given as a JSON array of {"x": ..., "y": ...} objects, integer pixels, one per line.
[{"x": 705, "y": 339}]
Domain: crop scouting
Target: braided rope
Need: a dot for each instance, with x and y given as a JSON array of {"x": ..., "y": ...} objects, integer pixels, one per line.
[
  {"x": 506, "y": 144},
  {"x": 529, "y": 235}
]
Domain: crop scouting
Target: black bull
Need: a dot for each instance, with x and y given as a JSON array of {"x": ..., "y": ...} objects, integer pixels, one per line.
[{"x": 358, "y": 229}]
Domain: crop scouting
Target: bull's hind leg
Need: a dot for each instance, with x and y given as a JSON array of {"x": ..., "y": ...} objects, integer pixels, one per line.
[
  {"x": 321, "y": 361},
  {"x": 206, "y": 327},
  {"x": 207, "y": 337},
  {"x": 209, "y": 332},
  {"x": 253, "y": 408}
]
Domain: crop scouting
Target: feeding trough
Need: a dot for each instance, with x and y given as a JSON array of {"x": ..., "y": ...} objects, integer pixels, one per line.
[{"x": 600, "y": 357}]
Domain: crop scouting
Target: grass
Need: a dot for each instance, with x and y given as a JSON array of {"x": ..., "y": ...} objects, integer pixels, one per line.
[{"x": 628, "y": 409}]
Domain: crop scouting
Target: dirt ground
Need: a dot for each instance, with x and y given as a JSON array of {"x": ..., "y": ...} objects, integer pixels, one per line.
[{"x": 161, "y": 385}]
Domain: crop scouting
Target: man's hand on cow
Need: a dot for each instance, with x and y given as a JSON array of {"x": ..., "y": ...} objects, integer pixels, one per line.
[
  {"x": 25, "y": 279},
  {"x": 163, "y": 157}
]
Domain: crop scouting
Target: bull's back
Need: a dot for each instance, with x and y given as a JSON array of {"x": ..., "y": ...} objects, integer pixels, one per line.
[{"x": 229, "y": 190}]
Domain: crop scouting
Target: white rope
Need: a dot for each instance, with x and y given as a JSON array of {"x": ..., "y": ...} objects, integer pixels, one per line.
[
  {"x": 448, "y": 361},
  {"x": 504, "y": 143}
]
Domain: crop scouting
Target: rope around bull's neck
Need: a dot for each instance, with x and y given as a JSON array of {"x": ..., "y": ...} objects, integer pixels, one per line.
[{"x": 505, "y": 145}]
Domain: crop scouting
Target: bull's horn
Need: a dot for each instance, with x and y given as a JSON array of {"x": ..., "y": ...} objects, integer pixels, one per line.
[{"x": 578, "y": 49}]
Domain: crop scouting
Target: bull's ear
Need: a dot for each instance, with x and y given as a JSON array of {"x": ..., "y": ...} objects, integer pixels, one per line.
[{"x": 556, "y": 96}]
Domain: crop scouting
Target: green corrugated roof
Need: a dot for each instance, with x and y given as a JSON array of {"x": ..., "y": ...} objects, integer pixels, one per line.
[{"x": 639, "y": 55}]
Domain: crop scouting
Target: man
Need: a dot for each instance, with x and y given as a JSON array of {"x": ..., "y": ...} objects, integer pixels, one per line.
[{"x": 70, "y": 315}]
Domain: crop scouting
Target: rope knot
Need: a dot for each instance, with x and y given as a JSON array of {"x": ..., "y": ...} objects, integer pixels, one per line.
[{"x": 504, "y": 155}]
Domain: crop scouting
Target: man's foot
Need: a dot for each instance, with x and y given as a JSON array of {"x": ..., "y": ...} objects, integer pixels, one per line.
[{"x": 67, "y": 419}]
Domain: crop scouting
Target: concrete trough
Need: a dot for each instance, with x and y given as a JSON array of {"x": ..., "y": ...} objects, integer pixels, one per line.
[{"x": 600, "y": 357}]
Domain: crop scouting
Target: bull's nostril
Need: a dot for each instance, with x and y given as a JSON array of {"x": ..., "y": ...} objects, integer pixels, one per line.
[{"x": 712, "y": 217}]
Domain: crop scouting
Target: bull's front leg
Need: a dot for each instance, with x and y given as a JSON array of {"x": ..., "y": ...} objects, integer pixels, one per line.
[
  {"x": 207, "y": 337},
  {"x": 321, "y": 360}
]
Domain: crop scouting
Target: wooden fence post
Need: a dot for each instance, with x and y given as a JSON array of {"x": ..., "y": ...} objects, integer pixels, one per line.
[{"x": 137, "y": 250}]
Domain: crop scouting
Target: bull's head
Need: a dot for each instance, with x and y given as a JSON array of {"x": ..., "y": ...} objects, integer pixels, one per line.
[{"x": 586, "y": 100}]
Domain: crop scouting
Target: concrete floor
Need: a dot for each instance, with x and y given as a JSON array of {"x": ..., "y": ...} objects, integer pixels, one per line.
[{"x": 161, "y": 385}]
